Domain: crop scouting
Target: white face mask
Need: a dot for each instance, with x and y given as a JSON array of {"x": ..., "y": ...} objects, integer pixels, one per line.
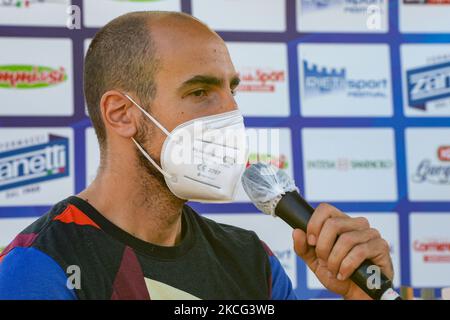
[{"x": 203, "y": 159}]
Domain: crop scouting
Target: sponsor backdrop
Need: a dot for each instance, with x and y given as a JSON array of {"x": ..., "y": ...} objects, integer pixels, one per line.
[{"x": 352, "y": 96}]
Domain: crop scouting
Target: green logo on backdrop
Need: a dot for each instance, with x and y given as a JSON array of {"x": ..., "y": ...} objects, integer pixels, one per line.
[{"x": 17, "y": 76}]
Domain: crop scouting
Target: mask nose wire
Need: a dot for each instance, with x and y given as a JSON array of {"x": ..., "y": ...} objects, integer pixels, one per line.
[{"x": 146, "y": 155}]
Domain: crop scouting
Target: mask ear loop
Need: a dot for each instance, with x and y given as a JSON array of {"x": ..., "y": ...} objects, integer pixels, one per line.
[
  {"x": 153, "y": 162},
  {"x": 146, "y": 155},
  {"x": 149, "y": 116}
]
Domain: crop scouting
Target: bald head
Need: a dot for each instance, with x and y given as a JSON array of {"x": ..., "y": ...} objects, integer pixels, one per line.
[{"x": 128, "y": 52}]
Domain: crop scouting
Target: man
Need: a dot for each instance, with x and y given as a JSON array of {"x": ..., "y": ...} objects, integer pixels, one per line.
[{"x": 129, "y": 235}]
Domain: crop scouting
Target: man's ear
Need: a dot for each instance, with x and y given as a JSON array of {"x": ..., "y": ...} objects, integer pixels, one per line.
[{"x": 118, "y": 114}]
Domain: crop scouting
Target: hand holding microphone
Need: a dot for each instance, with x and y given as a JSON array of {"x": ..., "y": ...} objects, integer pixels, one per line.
[{"x": 343, "y": 252}]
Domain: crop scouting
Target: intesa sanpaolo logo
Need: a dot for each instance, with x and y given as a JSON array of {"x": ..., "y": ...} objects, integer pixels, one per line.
[{"x": 17, "y": 76}]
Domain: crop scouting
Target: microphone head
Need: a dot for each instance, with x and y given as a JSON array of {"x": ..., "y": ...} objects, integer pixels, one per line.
[{"x": 265, "y": 185}]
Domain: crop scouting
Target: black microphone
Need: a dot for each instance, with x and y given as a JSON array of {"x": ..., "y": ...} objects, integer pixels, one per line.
[{"x": 273, "y": 192}]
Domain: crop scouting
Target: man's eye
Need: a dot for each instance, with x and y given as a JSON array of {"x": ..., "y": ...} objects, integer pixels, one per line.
[{"x": 199, "y": 93}]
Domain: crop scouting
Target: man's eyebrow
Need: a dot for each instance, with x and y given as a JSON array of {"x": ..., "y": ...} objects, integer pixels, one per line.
[{"x": 209, "y": 80}]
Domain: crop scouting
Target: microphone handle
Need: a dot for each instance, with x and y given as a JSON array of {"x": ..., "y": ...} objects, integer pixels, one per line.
[{"x": 296, "y": 212}]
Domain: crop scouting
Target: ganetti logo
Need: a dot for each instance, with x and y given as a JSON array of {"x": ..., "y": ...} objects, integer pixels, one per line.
[
  {"x": 321, "y": 80},
  {"x": 345, "y": 164},
  {"x": 30, "y": 76},
  {"x": 36, "y": 163},
  {"x": 426, "y": 1},
  {"x": 260, "y": 80},
  {"x": 28, "y": 3},
  {"x": 433, "y": 250},
  {"x": 426, "y": 84},
  {"x": 432, "y": 172},
  {"x": 280, "y": 161}
]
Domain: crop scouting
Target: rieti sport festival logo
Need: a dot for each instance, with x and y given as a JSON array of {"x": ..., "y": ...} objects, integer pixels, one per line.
[
  {"x": 45, "y": 161},
  {"x": 30, "y": 76},
  {"x": 429, "y": 85},
  {"x": 319, "y": 80},
  {"x": 435, "y": 171}
]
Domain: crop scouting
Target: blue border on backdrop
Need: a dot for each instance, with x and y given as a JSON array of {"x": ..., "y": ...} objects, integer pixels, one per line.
[{"x": 295, "y": 122}]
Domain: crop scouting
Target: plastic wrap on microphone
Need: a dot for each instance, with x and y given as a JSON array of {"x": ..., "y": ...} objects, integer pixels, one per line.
[{"x": 265, "y": 185}]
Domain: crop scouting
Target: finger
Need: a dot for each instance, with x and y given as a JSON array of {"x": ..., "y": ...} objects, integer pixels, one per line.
[
  {"x": 301, "y": 247},
  {"x": 345, "y": 243},
  {"x": 320, "y": 215},
  {"x": 376, "y": 250},
  {"x": 300, "y": 243},
  {"x": 332, "y": 228}
]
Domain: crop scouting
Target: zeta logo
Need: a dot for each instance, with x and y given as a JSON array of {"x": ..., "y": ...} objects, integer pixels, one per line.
[
  {"x": 28, "y": 3},
  {"x": 426, "y": 84},
  {"x": 30, "y": 77},
  {"x": 33, "y": 164},
  {"x": 319, "y": 81}
]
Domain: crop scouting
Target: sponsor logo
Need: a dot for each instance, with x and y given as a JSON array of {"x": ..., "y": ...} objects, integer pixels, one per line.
[
  {"x": 320, "y": 81},
  {"x": 260, "y": 80},
  {"x": 345, "y": 164},
  {"x": 426, "y": 84},
  {"x": 427, "y": 171},
  {"x": 279, "y": 162},
  {"x": 30, "y": 77},
  {"x": 348, "y": 6},
  {"x": 138, "y": 0},
  {"x": 37, "y": 163},
  {"x": 444, "y": 153},
  {"x": 433, "y": 250},
  {"x": 28, "y": 3},
  {"x": 426, "y": 1}
]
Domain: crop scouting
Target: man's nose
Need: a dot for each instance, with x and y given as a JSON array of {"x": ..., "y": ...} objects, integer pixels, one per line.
[{"x": 228, "y": 102}]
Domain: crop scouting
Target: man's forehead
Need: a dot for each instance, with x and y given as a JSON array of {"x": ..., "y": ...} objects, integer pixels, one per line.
[{"x": 190, "y": 58}]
